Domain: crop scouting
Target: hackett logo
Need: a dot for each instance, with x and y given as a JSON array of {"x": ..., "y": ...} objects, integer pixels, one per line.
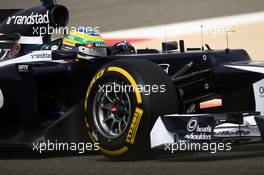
[{"x": 34, "y": 18}]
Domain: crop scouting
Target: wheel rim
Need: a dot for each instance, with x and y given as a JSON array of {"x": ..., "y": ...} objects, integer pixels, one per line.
[{"x": 111, "y": 112}]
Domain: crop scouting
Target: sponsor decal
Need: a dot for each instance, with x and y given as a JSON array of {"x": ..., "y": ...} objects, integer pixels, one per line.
[
  {"x": 201, "y": 136},
  {"x": 233, "y": 133},
  {"x": 34, "y": 18},
  {"x": 4, "y": 53},
  {"x": 92, "y": 51},
  {"x": 192, "y": 124},
  {"x": 23, "y": 68},
  {"x": 134, "y": 126},
  {"x": 41, "y": 55},
  {"x": 198, "y": 133},
  {"x": 259, "y": 95},
  {"x": 1, "y": 99},
  {"x": 54, "y": 47}
]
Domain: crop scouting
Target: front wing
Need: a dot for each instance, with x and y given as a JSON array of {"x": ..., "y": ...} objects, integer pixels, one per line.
[{"x": 199, "y": 128}]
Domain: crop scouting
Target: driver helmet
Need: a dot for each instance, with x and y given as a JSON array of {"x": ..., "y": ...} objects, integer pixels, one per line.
[{"x": 82, "y": 35}]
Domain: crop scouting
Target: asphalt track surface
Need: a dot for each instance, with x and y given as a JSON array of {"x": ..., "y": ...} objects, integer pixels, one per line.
[
  {"x": 124, "y": 14},
  {"x": 243, "y": 160}
]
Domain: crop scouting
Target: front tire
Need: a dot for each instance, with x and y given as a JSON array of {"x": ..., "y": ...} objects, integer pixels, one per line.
[{"x": 120, "y": 119}]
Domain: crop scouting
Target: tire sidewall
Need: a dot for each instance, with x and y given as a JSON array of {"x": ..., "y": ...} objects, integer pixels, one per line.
[{"x": 142, "y": 115}]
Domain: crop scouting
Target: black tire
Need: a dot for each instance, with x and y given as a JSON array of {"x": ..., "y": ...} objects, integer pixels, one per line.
[{"x": 134, "y": 141}]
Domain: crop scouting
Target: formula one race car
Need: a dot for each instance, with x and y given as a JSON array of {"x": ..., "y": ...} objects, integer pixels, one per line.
[{"x": 129, "y": 102}]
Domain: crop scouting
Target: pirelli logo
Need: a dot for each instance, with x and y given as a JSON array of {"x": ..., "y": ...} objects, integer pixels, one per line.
[{"x": 134, "y": 126}]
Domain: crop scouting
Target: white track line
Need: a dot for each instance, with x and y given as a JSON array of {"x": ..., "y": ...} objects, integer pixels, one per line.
[{"x": 186, "y": 27}]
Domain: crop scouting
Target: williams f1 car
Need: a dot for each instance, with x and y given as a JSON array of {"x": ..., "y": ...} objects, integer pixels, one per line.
[{"x": 128, "y": 101}]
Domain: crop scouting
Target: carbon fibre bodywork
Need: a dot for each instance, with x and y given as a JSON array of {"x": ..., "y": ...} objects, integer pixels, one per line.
[{"x": 42, "y": 90}]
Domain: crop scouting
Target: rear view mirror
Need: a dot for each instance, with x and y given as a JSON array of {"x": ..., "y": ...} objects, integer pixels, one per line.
[{"x": 171, "y": 45}]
